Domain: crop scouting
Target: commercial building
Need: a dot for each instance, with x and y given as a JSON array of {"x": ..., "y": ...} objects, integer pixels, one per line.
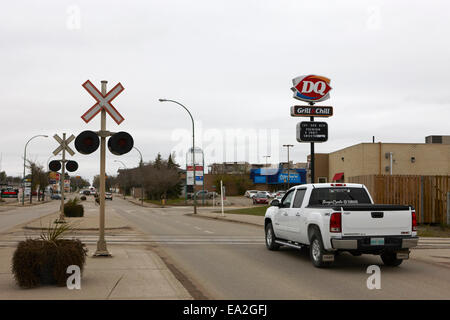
[{"x": 429, "y": 158}]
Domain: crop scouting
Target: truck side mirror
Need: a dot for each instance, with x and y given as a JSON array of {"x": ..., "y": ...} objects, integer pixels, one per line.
[{"x": 275, "y": 203}]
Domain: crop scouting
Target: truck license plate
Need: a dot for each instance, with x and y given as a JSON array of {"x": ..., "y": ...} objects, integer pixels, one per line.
[{"x": 377, "y": 241}]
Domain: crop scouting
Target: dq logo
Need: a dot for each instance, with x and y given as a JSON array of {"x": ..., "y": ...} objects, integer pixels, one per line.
[{"x": 311, "y": 88}]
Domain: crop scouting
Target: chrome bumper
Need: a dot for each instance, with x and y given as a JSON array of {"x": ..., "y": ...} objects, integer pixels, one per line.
[{"x": 354, "y": 244}]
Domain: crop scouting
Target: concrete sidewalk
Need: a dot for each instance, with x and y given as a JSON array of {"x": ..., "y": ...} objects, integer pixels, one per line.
[{"x": 134, "y": 272}]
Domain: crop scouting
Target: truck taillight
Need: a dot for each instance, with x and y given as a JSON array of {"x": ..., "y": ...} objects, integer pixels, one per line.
[
  {"x": 335, "y": 222},
  {"x": 414, "y": 221}
]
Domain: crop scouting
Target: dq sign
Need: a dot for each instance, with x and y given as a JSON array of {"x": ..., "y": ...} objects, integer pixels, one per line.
[{"x": 311, "y": 88}]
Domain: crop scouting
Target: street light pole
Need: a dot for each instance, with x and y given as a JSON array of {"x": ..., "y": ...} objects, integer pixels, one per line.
[
  {"x": 141, "y": 163},
  {"x": 193, "y": 146},
  {"x": 289, "y": 164},
  {"x": 24, "y": 161},
  {"x": 123, "y": 164}
]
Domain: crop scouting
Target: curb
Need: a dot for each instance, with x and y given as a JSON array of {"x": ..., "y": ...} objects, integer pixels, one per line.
[
  {"x": 80, "y": 229},
  {"x": 221, "y": 218}
]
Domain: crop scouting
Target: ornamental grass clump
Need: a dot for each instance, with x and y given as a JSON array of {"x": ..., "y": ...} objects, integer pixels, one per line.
[
  {"x": 72, "y": 208},
  {"x": 45, "y": 260}
]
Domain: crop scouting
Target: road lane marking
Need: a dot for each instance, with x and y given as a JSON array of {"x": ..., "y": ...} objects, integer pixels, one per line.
[
  {"x": 198, "y": 228},
  {"x": 207, "y": 231}
]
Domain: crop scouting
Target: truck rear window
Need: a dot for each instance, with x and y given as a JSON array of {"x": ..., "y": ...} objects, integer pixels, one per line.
[{"x": 338, "y": 196}]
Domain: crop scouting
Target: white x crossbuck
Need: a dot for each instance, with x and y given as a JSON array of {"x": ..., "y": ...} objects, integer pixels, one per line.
[
  {"x": 103, "y": 102},
  {"x": 64, "y": 144}
]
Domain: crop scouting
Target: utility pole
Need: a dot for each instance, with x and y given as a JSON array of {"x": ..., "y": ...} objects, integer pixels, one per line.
[
  {"x": 289, "y": 164},
  {"x": 101, "y": 243},
  {"x": 61, "y": 183},
  {"x": 266, "y": 159}
]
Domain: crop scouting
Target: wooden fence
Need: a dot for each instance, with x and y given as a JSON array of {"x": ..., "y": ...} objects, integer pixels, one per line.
[{"x": 428, "y": 194}]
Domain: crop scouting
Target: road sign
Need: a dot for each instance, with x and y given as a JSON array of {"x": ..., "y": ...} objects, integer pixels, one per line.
[
  {"x": 64, "y": 144},
  {"x": 312, "y": 131},
  {"x": 311, "y": 88},
  {"x": 310, "y": 111},
  {"x": 103, "y": 102}
]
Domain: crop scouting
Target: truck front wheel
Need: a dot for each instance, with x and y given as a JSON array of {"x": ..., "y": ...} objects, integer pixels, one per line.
[
  {"x": 317, "y": 251},
  {"x": 270, "y": 238},
  {"x": 390, "y": 259}
]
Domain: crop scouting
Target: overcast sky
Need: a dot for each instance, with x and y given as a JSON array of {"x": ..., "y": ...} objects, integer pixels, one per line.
[{"x": 231, "y": 63}]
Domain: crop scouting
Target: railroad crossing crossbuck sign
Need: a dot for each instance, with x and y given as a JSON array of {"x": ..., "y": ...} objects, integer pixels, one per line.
[
  {"x": 64, "y": 144},
  {"x": 103, "y": 102}
]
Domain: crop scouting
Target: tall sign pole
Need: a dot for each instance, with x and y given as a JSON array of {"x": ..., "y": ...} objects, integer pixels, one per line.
[
  {"x": 312, "y": 154},
  {"x": 311, "y": 89},
  {"x": 61, "y": 181}
]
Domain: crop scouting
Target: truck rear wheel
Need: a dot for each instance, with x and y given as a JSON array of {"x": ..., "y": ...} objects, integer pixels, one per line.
[
  {"x": 317, "y": 251},
  {"x": 390, "y": 259},
  {"x": 270, "y": 238}
]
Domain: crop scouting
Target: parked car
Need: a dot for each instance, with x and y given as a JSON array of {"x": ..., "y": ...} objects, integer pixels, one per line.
[
  {"x": 56, "y": 196},
  {"x": 261, "y": 198},
  {"x": 280, "y": 193},
  {"x": 329, "y": 218},
  {"x": 108, "y": 196},
  {"x": 276, "y": 198},
  {"x": 250, "y": 193},
  {"x": 87, "y": 192},
  {"x": 203, "y": 194}
]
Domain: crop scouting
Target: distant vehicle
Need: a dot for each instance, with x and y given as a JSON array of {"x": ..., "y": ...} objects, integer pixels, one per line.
[
  {"x": 87, "y": 192},
  {"x": 261, "y": 198},
  {"x": 108, "y": 196},
  {"x": 203, "y": 194},
  {"x": 56, "y": 196},
  {"x": 250, "y": 193},
  {"x": 280, "y": 193},
  {"x": 276, "y": 198}
]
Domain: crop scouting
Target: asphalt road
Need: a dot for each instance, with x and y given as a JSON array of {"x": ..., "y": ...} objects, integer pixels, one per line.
[
  {"x": 226, "y": 260},
  {"x": 12, "y": 216}
]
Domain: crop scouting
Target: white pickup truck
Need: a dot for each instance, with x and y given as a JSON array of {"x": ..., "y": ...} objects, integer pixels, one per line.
[{"x": 340, "y": 217}]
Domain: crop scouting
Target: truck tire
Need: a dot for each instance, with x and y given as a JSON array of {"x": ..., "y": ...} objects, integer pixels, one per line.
[
  {"x": 390, "y": 259},
  {"x": 270, "y": 238},
  {"x": 317, "y": 251}
]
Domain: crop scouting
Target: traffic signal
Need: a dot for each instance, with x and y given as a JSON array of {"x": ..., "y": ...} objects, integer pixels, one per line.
[
  {"x": 71, "y": 166},
  {"x": 120, "y": 143},
  {"x": 54, "y": 165},
  {"x": 87, "y": 142}
]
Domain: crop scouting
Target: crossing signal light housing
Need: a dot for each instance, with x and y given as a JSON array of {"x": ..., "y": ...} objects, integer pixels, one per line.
[
  {"x": 71, "y": 166},
  {"x": 120, "y": 143},
  {"x": 54, "y": 165},
  {"x": 87, "y": 142}
]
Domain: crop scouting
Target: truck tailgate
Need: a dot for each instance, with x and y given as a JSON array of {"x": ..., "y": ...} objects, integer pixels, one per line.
[{"x": 376, "y": 222}]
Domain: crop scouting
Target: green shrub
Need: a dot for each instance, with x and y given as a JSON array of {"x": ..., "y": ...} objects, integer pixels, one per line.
[
  {"x": 45, "y": 260},
  {"x": 73, "y": 209}
]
